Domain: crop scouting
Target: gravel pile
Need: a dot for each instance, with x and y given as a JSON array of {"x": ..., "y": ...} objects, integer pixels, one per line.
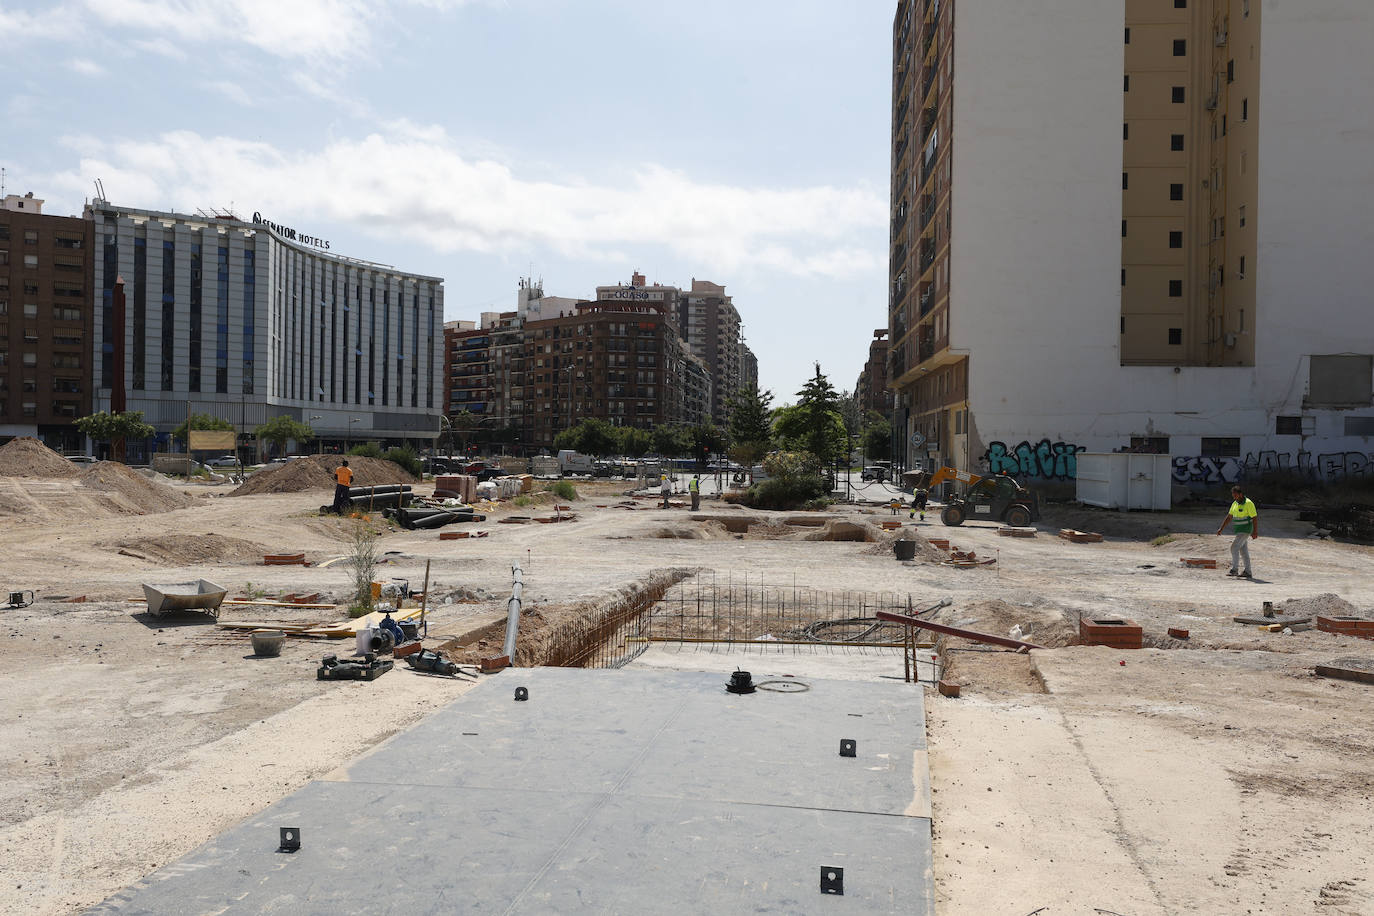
[{"x": 132, "y": 493}]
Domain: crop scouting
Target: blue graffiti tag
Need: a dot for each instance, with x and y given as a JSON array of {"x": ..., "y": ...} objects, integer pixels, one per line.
[{"x": 1050, "y": 460}]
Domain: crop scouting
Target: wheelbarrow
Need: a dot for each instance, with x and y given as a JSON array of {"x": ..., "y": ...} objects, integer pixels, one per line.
[
  {"x": 201, "y": 595},
  {"x": 19, "y": 599}
]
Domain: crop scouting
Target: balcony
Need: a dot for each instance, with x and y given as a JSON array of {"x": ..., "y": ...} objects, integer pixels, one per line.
[
  {"x": 899, "y": 257},
  {"x": 901, "y": 112},
  {"x": 927, "y": 257},
  {"x": 899, "y": 219},
  {"x": 927, "y": 211},
  {"x": 927, "y": 301}
]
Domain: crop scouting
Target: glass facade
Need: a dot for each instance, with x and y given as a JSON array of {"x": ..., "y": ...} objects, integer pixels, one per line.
[
  {"x": 193, "y": 370},
  {"x": 139, "y": 356},
  {"x": 169, "y": 306},
  {"x": 107, "y": 312},
  {"x": 222, "y": 322},
  {"x": 250, "y": 281}
]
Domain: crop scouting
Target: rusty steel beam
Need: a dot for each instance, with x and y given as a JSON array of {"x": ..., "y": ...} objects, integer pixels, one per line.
[{"x": 956, "y": 631}]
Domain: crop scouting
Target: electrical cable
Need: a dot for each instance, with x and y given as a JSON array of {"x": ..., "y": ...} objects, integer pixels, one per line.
[{"x": 779, "y": 685}]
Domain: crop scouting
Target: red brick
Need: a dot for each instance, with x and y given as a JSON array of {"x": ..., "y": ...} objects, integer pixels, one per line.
[{"x": 1178, "y": 633}]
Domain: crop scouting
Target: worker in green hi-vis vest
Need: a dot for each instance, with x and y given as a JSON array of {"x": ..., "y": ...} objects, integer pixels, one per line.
[
  {"x": 1244, "y": 521},
  {"x": 694, "y": 487}
]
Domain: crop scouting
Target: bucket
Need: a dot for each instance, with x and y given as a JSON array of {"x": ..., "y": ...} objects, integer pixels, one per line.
[
  {"x": 905, "y": 550},
  {"x": 267, "y": 643},
  {"x": 410, "y": 629}
]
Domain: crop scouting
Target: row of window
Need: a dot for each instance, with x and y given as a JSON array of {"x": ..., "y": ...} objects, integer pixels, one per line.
[
  {"x": 59, "y": 312},
  {"x": 30, "y": 359}
]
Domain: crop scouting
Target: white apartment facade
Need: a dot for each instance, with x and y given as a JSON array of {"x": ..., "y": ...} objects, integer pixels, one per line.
[{"x": 1039, "y": 252}]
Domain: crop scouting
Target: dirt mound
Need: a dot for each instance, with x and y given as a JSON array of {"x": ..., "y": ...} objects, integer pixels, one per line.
[
  {"x": 27, "y": 457},
  {"x": 129, "y": 492},
  {"x": 1324, "y": 605},
  {"x": 883, "y": 541},
  {"x": 316, "y": 472},
  {"x": 1050, "y": 625},
  {"x": 836, "y": 530},
  {"x": 192, "y": 549}
]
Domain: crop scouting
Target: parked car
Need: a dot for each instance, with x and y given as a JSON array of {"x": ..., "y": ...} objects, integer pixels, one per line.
[
  {"x": 82, "y": 459},
  {"x": 875, "y": 472},
  {"x": 223, "y": 461}
]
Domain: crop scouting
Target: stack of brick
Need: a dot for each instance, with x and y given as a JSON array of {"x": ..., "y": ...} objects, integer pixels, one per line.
[
  {"x": 462, "y": 486},
  {"x": 526, "y": 483},
  {"x": 1347, "y": 626},
  {"x": 1113, "y": 633}
]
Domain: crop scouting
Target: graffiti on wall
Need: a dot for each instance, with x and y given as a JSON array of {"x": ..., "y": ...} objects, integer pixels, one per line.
[
  {"x": 1050, "y": 460},
  {"x": 1328, "y": 467}
]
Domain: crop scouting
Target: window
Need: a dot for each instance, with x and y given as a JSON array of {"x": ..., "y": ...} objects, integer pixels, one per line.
[
  {"x": 1176, "y": 95},
  {"x": 1242, "y": 216},
  {"x": 1242, "y": 267},
  {"x": 1124, "y": 181},
  {"x": 1175, "y": 289},
  {"x": 66, "y": 361},
  {"x": 61, "y": 313},
  {"x": 1125, "y": 131},
  {"x": 63, "y": 241},
  {"x": 1340, "y": 381},
  {"x": 1180, "y": 4},
  {"x": 1175, "y": 337},
  {"x": 1221, "y": 447},
  {"x": 1123, "y": 324},
  {"x": 1180, "y": 47},
  {"x": 30, "y": 309},
  {"x": 31, "y": 359},
  {"x": 1245, "y": 9},
  {"x": 1128, "y": 36},
  {"x": 1126, "y": 83},
  {"x": 1288, "y": 426},
  {"x": 1175, "y": 239},
  {"x": 1175, "y": 192},
  {"x": 30, "y": 237},
  {"x": 31, "y": 260},
  {"x": 1231, "y": 71},
  {"x": 1244, "y": 110},
  {"x": 1123, "y": 278},
  {"x": 1359, "y": 426},
  {"x": 1176, "y": 142}
]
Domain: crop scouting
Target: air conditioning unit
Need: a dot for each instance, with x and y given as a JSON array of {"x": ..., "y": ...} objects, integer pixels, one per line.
[
  {"x": 1230, "y": 340},
  {"x": 1212, "y": 103}
]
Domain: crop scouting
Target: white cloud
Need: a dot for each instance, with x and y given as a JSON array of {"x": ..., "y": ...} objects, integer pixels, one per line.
[
  {"x": 161, "y": 47},
  {"x": 231, "y": 91},
  {"x": 85, "y": 66},
  {"x": 414, "y": 183},
  {"x": 53, "y": 22}
]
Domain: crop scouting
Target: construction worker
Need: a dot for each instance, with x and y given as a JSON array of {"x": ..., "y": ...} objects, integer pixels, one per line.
[
  {"x": 343, "y": 478},
  {"x": 918, "y": 503},
  {"x": 665, "y": 488},
  {"x": 1244, "y": 521},
  {"x": 694, "y": 487}
]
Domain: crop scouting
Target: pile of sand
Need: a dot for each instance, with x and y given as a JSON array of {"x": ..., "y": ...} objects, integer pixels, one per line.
[
  {"x": 316, "y": 472},
  {"x": 129, "y": 492},
  {"x": 1324, "y": 605},
  {"x": 192, "y": 549},
  {"x": 1050, "y": 625},
  {"x": 27, "y": 457}
]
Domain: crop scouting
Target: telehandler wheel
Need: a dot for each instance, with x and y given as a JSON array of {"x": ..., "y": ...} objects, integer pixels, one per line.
[
  {"x": 953, "y": 515},
  {"x": 1018, "y": 517}
]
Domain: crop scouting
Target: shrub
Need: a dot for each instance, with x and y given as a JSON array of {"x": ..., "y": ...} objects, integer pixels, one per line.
[
  {"x": 564, "y": 489},
  {"x": 1162, "y": 540},
  {"x": 362, "y": 560},
  {"x": 786, "y": 492},
  {"x": 406, "y": 458},
  {"x": 366, "y": 450}
]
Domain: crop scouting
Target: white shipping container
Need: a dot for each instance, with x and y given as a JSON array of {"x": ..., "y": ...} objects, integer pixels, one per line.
[{"x": 1125, "y": 480}]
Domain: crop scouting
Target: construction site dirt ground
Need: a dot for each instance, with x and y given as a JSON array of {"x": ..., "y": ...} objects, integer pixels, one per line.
[{"x": 1216, "y": 774}]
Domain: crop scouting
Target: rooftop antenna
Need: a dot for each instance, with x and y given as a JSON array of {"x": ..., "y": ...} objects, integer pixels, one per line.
[{"x": 2, "y": 181}]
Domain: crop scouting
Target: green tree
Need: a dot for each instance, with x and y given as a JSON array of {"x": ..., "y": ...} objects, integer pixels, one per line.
[
  {"x": 672, "y": 440},
  {"x": 116, "y": 429},
  {"x": 877, "y": 437},
  {"x": 849, "y": 410},
  {"x": 282, "y": 428},
  {"x": 633, "y": 442},
  {"x": 751, "y": 427},
  {"x": 706, "y": 438},
  {"x": 592, "y": 436},
  {"x": 200, "y": 421},
  {"x": 817, "y": 423}
]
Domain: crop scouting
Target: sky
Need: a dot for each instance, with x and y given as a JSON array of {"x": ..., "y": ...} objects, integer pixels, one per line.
[{"x": 739, "y": 141}]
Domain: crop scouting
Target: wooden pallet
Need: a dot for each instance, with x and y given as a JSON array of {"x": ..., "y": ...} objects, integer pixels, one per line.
[
  {"x": 1080, "y": 537},
  {"x": 1198, "y": 562},
  {"x": 1016, "y": 532}
]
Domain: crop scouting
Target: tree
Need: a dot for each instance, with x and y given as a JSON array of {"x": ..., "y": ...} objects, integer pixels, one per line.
[
  {"x": 672, "y": 441},
  {"x": 877, "y": 437},
  {"x": 820, "y": 425},
  {"x": 706, "y": 438},
  {"x": 751, "y": 427},
  {"x": 592, "y": 436},
  {"x": 200, "y": 421},
  {"x": 116, "y": 429},
  {"x": 633, "y": 442},
  {"x": 849, "y": 410},
  {"x": 282, "y": 428}
]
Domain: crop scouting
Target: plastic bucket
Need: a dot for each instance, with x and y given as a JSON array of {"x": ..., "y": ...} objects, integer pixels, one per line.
[
  {"x": 905, "y": 550},
  {"x": 267, "y": 643}
]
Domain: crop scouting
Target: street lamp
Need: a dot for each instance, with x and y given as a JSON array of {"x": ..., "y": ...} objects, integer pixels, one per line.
[
  {"x": 319, "y": 440},
  {"x": 348, "y": 436}
]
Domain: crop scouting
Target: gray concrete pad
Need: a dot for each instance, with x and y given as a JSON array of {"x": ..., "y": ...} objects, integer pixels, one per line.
[{"x": 607, "y": 791}]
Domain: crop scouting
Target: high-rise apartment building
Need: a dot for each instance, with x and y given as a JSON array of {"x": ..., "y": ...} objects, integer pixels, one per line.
[
  {"x": 1135, "y": 224},
  {"x": 45, "y": 323},
  {"x": 711, "y": 327},
  {"x": 871, "y": 391}
]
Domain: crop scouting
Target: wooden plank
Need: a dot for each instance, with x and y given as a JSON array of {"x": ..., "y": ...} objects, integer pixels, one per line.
[{"x": 956, "y": 631}]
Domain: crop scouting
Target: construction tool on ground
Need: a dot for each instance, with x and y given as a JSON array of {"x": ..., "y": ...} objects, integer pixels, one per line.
[
  {"x": 998, "y": 498},
  {"x": 425, "y": 660},
  {"x": 424, "y": 602},
  {"x": 20, "y": 599},
  {"x": 201, "y": 595},
  {"x": 367, "y": 668}
]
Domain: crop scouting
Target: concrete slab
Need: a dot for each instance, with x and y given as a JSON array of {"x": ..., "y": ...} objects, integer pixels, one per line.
[{"x": 610, "y": 791}]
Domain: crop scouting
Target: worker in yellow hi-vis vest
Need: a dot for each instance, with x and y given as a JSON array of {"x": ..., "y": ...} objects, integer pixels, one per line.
[
  {"x": 694, "y": 487},
  {"x": 1244, "y": 520}
]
